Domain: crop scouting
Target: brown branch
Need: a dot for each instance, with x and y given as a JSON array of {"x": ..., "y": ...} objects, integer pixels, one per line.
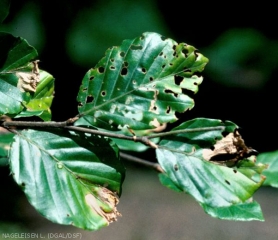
[{"x": 143, "y": 162}]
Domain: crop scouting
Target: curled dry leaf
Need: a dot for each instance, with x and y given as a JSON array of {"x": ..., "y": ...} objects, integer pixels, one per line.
[
  {"x": 110, "y": 199},
  {"x": 229, "y": 150},
  {"x": 28, "y": 81}
]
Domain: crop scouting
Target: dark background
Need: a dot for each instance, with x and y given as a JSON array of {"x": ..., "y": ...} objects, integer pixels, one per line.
[
  {"x": 239, "y": 40},
  {"x": 72, "y": 36}
]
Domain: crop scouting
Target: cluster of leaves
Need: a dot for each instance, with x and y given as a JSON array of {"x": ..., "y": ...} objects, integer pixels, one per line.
[{"x": 74, "y": 174}]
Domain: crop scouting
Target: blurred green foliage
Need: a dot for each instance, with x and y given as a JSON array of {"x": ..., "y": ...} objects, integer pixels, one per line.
[
  {"x": 106, "y": 24},
  {"x": 27, "y": 24},
  {"x": 242, "y": 58}
]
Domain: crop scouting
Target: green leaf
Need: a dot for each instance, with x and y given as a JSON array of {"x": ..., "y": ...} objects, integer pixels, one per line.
[
  {"x": 141, "y": 84},
  {"x": 11, "y": 98},
  {"x": 19, "y": 98},
  {"x": 212, "y": 184},
  {"x": 271, "y": 173},
  {"x": 4, "y": 9},
  {"x": 15, "y": 55},
  {"x": 247, "y": 211},
  {"x": 167, "y": 182},
  {"x": 40, "y": 102},
  {"x": 70, "y": 180},
  {"x": 5, "y": 141}
]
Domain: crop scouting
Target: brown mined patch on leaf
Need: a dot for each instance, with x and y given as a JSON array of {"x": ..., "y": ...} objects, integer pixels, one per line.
[
  {"x": 153, "y": 107},
  {"x": 158, "y": 126},
  {"x": 229, "y": 150},
  {"x": 28, "y": 81},
  {"x": 108, "y": 198}
]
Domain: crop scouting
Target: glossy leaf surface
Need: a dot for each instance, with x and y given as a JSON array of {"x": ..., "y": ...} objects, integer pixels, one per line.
[
  {"x": 271, "y": 173},
  {"x": 70, "y": 180},
  {"x": 212, "y": 185},
  {"x": 15, "y": 54},
  {"x": 141, "y": 84},
  {"x": 247, "y": 211},
  {"x": 18, "y": 94},
  {"x": 40, "y": 102},
  {"x": 5, "y": 141}
]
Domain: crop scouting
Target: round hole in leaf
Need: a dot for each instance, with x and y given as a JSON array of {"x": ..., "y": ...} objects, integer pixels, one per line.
[
  {"x": 144, "y": 70},
  {"x": 151, "y": 79},
  {"x": 101, "y": 69},
  {"x": 226, "y": 181},
  {"x": 122, "y": 54},
  {"x": 185, "y": 52},
  {"x": 125, "y": 64},
  {"x": 163, "y": 66},
  {"x": 136, "y": 47},
  {"x": 124, "y": 71},
  {"x": 103, "y": 93},
  {"x": 80, "y": 104},
  {"x": 112, "y": 59},
  {"x": 91, "y": 78},
  {"x": 112, "y": 68},
  {"x": 85, "y": 89},
  {"x": 160, "y": 54},
  {"x": 89, "y": 99}
]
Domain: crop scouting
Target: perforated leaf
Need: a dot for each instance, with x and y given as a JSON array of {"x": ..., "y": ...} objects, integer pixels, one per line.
[
  {"x": 141, "y": 84},
  {"x": 211, "y": 182},
  {"x": 71, "y": 180}
]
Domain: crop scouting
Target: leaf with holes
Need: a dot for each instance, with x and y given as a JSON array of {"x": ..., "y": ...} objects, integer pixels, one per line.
[
  {"x": 141, "y": 84},
  {"x": 72, "y": 180},
  {"x": 213, "y": 184}
]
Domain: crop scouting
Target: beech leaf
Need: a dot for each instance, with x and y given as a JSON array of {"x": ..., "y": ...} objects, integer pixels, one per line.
[
  {"x": 141, "y": 84},
  {"x": 72, "y": 180},
  {"x": 213, "y": 184}
]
